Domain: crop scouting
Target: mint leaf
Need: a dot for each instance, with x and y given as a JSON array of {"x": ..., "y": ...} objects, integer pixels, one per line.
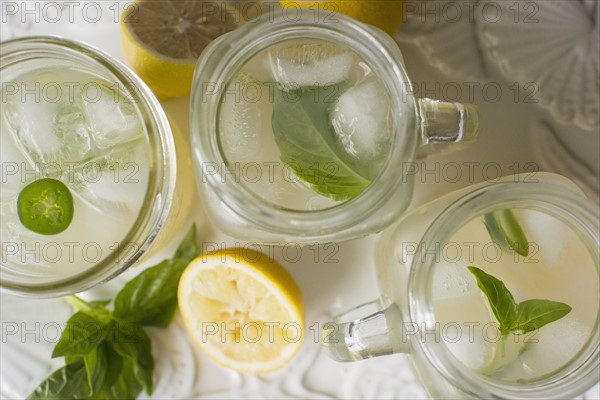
[
  {"x": 68, "y": 382},
  {"x": 533, "y": 314},
  {"x": 500, "y": 299},
  {"x": 524, "y": 317},
  {"x": 504, "y": 229},
  {"x": 305, "y": 137},
  {"x": 81, "y": 335}
]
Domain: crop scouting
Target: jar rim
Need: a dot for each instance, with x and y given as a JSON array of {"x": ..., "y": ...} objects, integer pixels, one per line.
[
  {"x": 219, "y": 62},
  {"x": 553, "y": 196},
  {"x": 158, "y": 199}
]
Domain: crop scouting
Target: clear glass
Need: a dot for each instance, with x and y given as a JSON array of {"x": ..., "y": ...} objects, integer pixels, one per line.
[
  {"x": 432, "y": 307},
  {"x": 255, "y": 87},
  {"x": 73, "y": 113}
]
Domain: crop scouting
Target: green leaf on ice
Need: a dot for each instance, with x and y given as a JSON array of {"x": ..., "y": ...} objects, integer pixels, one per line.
[
  {"x": 504, "y": 230},
  {"x": 516, "y": 318},
  {"x": 305, "y": 137}
]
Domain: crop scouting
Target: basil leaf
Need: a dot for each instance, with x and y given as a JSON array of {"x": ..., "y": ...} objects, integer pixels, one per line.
[
  {"x": 81, "y": 335},
  {"x": 151, "y": 297},
  {"x": 524, "y": 317},
  {"x": 533, "y": 314},
  {"x": 188, "y": 248},
  {"x": 95, "y": 309},
  {"x": 68, "y": 382},
  {"x": 132, "y": 342},
  {"x": 96, "y": 367},
  {"x": 305, "y": 137},
  {"x": 499, "y": 298},
  {"x": 114, "y": 367},
  {"x": 504, "y": 229},
  {"x": 127, "y": 385}
]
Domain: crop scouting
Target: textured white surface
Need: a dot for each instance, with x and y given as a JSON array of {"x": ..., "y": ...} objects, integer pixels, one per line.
[{"x": 29, "y": 327}]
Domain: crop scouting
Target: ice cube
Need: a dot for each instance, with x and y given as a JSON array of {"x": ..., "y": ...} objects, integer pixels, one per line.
[
  {"x": 32, "y": 122},
  {"x": 113, "y": 115},
  {"x": 71, "y": 128},
  {"x": 554, "y": 345},
  {"x": 243, "y": 120},
  {"x": 115, "y": 181},
  {"x": 467, "y": 329},
  {"x": 310, "y": 63},
  {"x": 13, "y": 163},
  {"x": 361, "y": 120}
]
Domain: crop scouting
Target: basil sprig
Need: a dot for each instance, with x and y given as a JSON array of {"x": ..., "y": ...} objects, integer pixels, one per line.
[
  {"x": 513, "y": 317},
  {"x": 504, "y": 230},
  {"x": 306, "y": 140},
  {"x": 108, "y": 354}
]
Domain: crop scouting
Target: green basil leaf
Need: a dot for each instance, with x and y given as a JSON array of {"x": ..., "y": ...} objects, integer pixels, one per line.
[
  {"x": 132, "y": 342},
  {"x": 504, "y": 229},
  {"x": 305, "y": 138},
  {"x": 68, "y": 382},
  {"x": 81, "y": 335},
  {"x": 499, "y": 298},
  {"x": 151, "y": 297},
  {"x": 188, "y": 248},
  {"x": 533, "y": 314},
  {"x": 95, "y": 309},
  {"x": 127, "y": 385},
  {"x": 114, "y": 367},
  {"x": 96, "y": 367}
]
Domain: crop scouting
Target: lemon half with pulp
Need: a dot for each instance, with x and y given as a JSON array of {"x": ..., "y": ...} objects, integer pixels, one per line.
[{"x": 243, "y": 309}]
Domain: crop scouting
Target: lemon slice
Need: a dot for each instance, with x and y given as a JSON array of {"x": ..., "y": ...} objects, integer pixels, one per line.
[
  {"x": 243, "y": 309},
  {"x": 387, "y": 15},
  {"x": 163, "y": 39}
]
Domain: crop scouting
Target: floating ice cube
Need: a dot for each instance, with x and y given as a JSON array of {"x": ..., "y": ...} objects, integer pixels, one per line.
[
  {"x": 49, "y": 129},
  {"x": 467, "y": 329},
  {"x": 13, "y": 163},
  {"x": 115, "y": 181},
  {"x": 244, "y": 120},
  {"x": 553, "y": 345},
  {"x": 32, "y": 122},
  {"x": 70, "y": 126},
  {"x": 361, "y": 120},
  {"x": 113, "y": 117},
  {"x": 305, "y": 63}
]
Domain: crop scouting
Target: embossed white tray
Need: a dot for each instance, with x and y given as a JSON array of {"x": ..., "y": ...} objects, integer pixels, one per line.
[{"x": 30, "y": 328}]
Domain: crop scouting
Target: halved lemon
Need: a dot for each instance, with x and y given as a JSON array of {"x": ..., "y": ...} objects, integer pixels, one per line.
[
  {"x": 243, "y": 309},
  {"x": 162, "y": 39}
]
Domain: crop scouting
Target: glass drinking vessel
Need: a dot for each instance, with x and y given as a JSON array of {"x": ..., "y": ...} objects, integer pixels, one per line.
[
  {"x": 303, "y": 128},
  {"x": 74, "y": 114},
  {"x": 433, "y": 307}
]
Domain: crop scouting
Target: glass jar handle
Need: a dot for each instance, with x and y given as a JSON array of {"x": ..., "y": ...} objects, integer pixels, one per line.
[
  {"x": 377, "y": 334},
  {"x": 445, "y": 127}
]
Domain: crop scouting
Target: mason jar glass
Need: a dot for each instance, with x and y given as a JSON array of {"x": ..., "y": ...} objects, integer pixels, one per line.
[
  {"x": 508, "y": 341},
  {"x": 72, "y": 113},
  {"x": 303, "y": 128}
]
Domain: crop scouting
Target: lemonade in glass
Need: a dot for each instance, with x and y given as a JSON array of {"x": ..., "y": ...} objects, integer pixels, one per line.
[{"x": 88, "y": 167}]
